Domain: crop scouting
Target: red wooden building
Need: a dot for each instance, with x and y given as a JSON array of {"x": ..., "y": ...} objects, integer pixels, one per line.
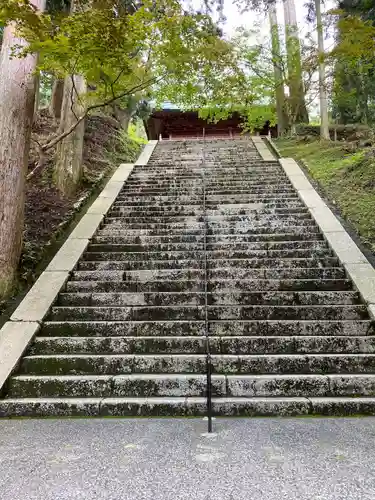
[{"x": 175, "y": 124}]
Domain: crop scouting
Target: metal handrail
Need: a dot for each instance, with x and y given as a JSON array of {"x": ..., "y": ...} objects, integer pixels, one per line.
[{"x": 208, "y": 350}]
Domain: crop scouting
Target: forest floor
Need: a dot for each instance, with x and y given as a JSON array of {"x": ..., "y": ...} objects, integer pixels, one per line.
[
  {"x": 346, "y": 179},
  {"x": 48, "y": 214}
]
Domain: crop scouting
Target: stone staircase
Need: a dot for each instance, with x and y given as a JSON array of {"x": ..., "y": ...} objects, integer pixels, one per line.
[{"x": 288, "y": 333}]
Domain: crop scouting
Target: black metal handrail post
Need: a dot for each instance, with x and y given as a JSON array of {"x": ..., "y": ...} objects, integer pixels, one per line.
[{"x": 208, "y": 350}]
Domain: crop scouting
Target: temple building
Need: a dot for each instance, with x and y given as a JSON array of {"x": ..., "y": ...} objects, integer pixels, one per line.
[{"x": 171, "y": 124}]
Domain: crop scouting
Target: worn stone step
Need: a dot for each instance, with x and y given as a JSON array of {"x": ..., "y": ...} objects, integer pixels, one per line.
[
  {"x": 104, "y": 386},
  {"x": 270, "y": 328},
  {"x": 233, "y": 273},
  {"x": 199, "y": 255},
  {"x": 309, "y": 245},
  {"x": 223, "y": 312},
  {"x": 254, "y": 263},
  {"x": 218, "y": 298},
  {"x": 191, "y": 406},
  {"x": 75, "y": 364},
  {"x": 222, "y": 239},
  {"x": 269, "y": 202},
  {"x": 215, "y": 210},
  {"x": 198, "y": 345},
  {"x": 220, "y": 285},
  {"x": 241, "y": 224},
  {"x": 176, "y": 218},
  {"x": 140, "y": 385}
]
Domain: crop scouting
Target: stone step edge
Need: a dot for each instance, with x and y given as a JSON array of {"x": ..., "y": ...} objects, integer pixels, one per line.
[{"x": 182, "y": 406}]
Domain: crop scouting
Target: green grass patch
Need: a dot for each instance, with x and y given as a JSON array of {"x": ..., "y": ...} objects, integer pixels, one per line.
[{"x": 346, "y": 179}]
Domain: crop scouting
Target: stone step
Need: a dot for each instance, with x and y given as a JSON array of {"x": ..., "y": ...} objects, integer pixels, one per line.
[
  {"x": 242, "y": 224},
  {"x": 239, "y": 234},
  {"x": 233, "y": 273},
  {"x": 254, "y": 263},
  {"x": 218, "y": 298},
  {"x": 113, "y": 218},
  {"x": 182, "y": 406},
  {"x": 223, "y": 312},
  {"x": 90, "y": 256},
  {"x": 260, "y": 328},
  {"x": 197, "y": 192},
  {"x": 310, "y": 245},
  {"x": 289, "y": 235},
  {"x": 214, "y": 210},
  {"x": 115, "y": 364},
  {"x": 198, "y": 345},
  {"x": 140, "y": 385},
  {"x": 212, "y": 183},
  {"x": 275, "y": 202}
]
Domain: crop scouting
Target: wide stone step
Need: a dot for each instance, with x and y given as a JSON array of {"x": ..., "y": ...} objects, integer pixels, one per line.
[
  {"x": 215, "y": 210},
  {"x": 76, "y": 364},
  {"x": 222, "y": 239},
  {"x": 220, "y": 285},
  {"x": 307, "y": 245},
  {"x": 198, "y": 345},
  {"x": 232, "y": 273},
  {"x": 262, "y": 263},
  {"x": 223, "y": 312},
  {"x": 199, "y": 255},
  {"x": 242, "y": 224},
  {"x": 218, "y": 298},
  {"x": 271, "y": 328},
  {"x": 140, "y": 385},
  {"x": 174, "y": 204},
  {"x": 191, "y": 406},
  {"x": 176, "y": 218}
]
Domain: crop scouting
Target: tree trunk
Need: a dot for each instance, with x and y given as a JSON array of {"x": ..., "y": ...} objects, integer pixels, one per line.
[
  {"x": 37, "y": 96},
  {"x": 17, "y": 91},
  {"x": 69, "y": 151},
  {"x": 282, "y": 117},
  {"x": 324, "y": 122},
  {"x": 123, "y": 116},
  {"x": 296, "y": 88},
  {"x": 56, "y": 99}
]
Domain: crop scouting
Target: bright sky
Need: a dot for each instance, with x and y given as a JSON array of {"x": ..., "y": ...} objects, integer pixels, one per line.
[{"x": 235, "y": 18}]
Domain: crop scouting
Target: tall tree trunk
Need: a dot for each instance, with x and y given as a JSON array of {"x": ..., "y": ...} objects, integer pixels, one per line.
[
  {"x": 296, "y": 88},
  {"x": 282, "y": 117},
  {"x": 324, "y": 122},
  {"x": 69, "y": 151},
  {"x": 123, "y": 116},
  {"x": 17, "y": 92},
  {"x": 56, "y": 98},
  {"x": 37, "y": 96}
]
